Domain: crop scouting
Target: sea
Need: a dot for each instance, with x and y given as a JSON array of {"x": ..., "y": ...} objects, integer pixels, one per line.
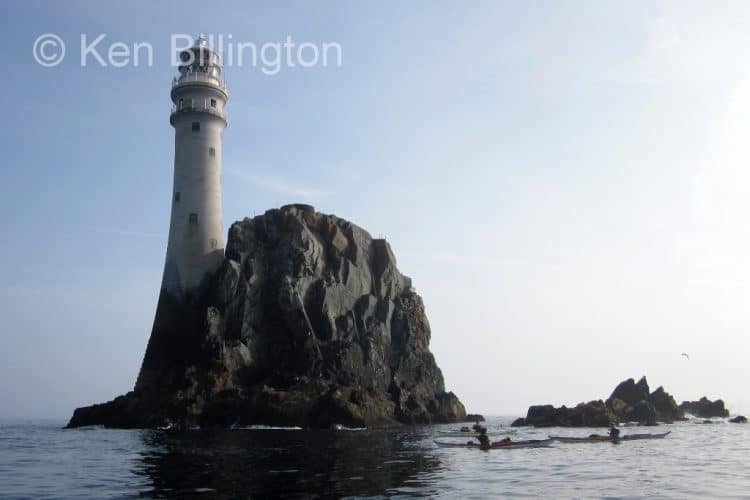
[{"x": 40, "y": 459}]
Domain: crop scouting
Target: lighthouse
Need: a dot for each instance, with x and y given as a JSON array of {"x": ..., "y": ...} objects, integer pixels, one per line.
[{"x": 196, "y": 242}]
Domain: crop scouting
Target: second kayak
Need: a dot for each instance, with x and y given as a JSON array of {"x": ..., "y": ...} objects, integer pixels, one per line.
[
  {"x": 595, "y": 438},
  {"x": 528, "y": 443}
]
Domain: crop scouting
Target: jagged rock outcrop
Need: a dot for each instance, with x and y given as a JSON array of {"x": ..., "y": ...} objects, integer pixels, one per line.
[
  {"x": 632, "y": 402},
  {"x": 705, "y": 408},
  {"x": 629, "y": 393},
  {"x": 629, "y": 402},
  {"x": 591, "y": 414},
  {"x": 665, "y": 406},
  {"x": 308, "y": 322},
  {"x": 474, "y": 417}
]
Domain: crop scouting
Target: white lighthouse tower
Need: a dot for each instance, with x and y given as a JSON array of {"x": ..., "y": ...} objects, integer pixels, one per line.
[{"x": 196, "y": 241}]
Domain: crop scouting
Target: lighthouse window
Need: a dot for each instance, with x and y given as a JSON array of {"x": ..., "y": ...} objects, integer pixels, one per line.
[
  {"x": 213, "y": 243},
  {"x": 211, "y": 152},
  {"x": 196, "y": 126},
  {"x": 193, "y": 219},
  {"x": 213, "y": 103},
  {"x": 177, "y": 197}
]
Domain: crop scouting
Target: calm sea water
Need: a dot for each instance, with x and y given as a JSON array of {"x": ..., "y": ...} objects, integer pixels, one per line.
[{"x": 41, "y": 460}]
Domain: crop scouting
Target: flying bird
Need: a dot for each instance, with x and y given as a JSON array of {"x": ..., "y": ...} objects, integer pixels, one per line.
[{"x": 685, "y": 354}]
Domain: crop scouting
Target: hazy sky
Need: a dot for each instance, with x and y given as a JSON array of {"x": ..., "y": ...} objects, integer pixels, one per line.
[{"x": 565, "y": 182}]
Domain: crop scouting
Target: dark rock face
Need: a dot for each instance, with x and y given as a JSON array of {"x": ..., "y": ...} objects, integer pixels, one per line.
[
  {"x": 665, "y": 406},
  {"x": 308, "y": 322},
  {"x": 643, "y": 413},
  {"x": 631, "y": 393},
  {"x": 519, "y": 422},
  {"x": 739, "y": 419},
  {"x": 632, "y": 402},
  {"x": 629, "y": 402},
  {"x": 591, "y": 414},
  {"x": 474, "y": 417},
  {"x": 705, "y": 408}
]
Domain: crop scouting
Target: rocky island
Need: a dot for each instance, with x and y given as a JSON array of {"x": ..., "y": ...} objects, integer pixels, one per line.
[
  {"x": 705, "y": 408},
  {"x": 308, "y": 322},
  {"x": 630, "y": 401}
]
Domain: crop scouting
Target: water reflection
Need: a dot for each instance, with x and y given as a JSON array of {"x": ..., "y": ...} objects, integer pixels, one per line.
[{"x": 265, "y": 462}]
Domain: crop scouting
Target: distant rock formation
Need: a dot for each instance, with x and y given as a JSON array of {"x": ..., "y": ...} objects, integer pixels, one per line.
[
  {"x": 591, "y": 414},
  {"x": 632, "y": 402},
  {"x": 629, "y": 402},
  {"x": 705, "y": 408},
  {"x": 665, "y": 406},
  {"x": 474, "y": 417},
  {"x": 739, "y": 419},
  {"x": 308, "y": 322}
]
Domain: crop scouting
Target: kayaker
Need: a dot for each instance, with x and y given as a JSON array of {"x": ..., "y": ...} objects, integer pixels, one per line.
[
  {"x": 479, "y": 428},
  {"x": 614, "y": 433},
  {"x": 484, "y": 441}
]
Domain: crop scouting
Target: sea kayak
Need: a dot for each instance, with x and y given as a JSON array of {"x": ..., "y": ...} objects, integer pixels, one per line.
[
  {"x": 594, "y": 438},
  {"x": 467, "y": 435},
  {"x": 453, "y": 444},
  {"x": 472, "y": 433},
  {"x": 631, "y": 437},
  {"x": 529, "y": 443}
]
